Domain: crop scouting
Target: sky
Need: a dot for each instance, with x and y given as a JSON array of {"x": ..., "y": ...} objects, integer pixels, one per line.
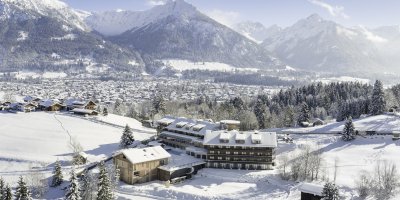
[{"x": 370, "y": 13}]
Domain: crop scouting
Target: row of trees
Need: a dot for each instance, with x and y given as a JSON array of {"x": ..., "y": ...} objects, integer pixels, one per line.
[
  {"x": 22, "y": 191},
  {"x": 287, "y": 108}
]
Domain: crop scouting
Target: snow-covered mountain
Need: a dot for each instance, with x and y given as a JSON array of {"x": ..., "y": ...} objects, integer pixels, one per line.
[
  {"x": 48, "y": 35},
  {"x": 319, "y": 45},
  {"x": 256, "y": 31},
  {"x": 33, "y": 9},
  {"x": 177, "y": 30}
]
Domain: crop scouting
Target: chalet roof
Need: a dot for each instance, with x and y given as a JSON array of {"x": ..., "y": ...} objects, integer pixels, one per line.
[
  {"x": 49, "y": 102},
  {"x": 311, "y": 188},
  {"x": 147, "y": 154},
  {"x": 267, "y": 139}
]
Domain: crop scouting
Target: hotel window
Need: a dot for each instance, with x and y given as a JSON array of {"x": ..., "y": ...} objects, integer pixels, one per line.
[
  {"x": 228, "y": 158},
  {"x": 218, "y": 152},
  {"x": 211, "y": 157},
  {"x": 251, "y": 153},
  {"x": 243, "y": 153},
  {"x": 219, "y": 158},
  {"x": 236, "y": 153},
  {"x": 228, "y": 153},
  {"x": 211, "y": 151}
]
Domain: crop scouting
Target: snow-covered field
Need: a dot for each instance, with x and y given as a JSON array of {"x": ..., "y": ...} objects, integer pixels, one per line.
[
  {"x": 49, "y": 75},
  {"x": 343, "y": 79},
  {"x": 353, "y": 157},
  {"x": 183, "y": 65},
  {"x": 29, "y": 140},
  {"x": 33, "y": 141}
]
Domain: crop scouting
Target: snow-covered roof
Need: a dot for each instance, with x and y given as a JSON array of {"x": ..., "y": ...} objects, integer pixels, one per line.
[
  {"x": 267, "y": 139},
  {"x": 49, "y": 102},
  {"x": 256, "y": 137},
  {"x": 147, "y": 154},
  {"x": 311, "y": 188},
  {"x": 180, "y": 162},
  {"x": 195, "y": 127},
  {"x": 83, "y": 111},
  {"x": 166, "y": 120},
  {"x": 224, "y": 136},
  {"x": 235, "y": 122}
]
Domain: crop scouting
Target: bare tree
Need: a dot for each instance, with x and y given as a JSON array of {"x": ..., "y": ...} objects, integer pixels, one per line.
[
  {"x": 284, "y": 165},
  {"x": 363, "y": 184},
  {"x": 8, "y": 96},
  {"x": 386, "y": 179}
]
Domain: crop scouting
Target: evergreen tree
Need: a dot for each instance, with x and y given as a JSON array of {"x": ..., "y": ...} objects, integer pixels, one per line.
[
  {"x": 259, "y": 111},
  {"x": 88, "y": 187},
  {"x": 2, "y": 188},
  {"x": 104, "y": 184},
  {"x": 127, "y": 137},
  {"x": 57, "y": 175},
  {"x": 348, "y": 130},
  {"x": 73, "y": 188},
  {"x": 159, "y": 105},
  {"x": 22, "y": 192},
  {"x": 378, "y": 103},
  {"x": 304, "y": 115},
  {"x": 330, "y": 192},
  {"x": 7, "y": 193},
  {"x": 105, "y": 111}
]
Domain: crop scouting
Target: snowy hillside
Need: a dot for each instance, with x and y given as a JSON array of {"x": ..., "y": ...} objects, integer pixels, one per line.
[
  {"x": 116, "y": 22},
  {"x": 50, "y": 8},
  {"x": 256, "y": 31},
  {"x": 352, "y": 158},
  {"x": 39, "y": 137},
  {"x": 319, "y": 45},
  {"x": 177, "y": 30}
]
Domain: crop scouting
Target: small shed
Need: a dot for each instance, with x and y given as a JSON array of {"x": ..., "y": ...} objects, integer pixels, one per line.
[{"x": 310, "y": 191}]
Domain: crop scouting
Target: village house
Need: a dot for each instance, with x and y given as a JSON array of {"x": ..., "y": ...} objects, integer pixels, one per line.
[
  {"x": 73, "y": 104},
  {"x": 140, "y": 165},
  {"x": 50, "y": 105}
]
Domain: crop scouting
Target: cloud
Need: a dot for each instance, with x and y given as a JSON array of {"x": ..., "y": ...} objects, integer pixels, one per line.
[
  {"x": 227, "y": 18},
  {"x": 335, "y": 11},
  {"x": 156, "y": 2}
]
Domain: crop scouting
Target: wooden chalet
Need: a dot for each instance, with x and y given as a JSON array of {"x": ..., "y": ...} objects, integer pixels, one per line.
[{"x": 140, "y": 165}]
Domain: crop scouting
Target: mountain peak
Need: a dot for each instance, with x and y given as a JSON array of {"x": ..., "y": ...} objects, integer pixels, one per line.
[
  {"x": 315, "y": 17},
  {"x": 176, "y": 7},
  {"x": 31, "y": 9}
]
